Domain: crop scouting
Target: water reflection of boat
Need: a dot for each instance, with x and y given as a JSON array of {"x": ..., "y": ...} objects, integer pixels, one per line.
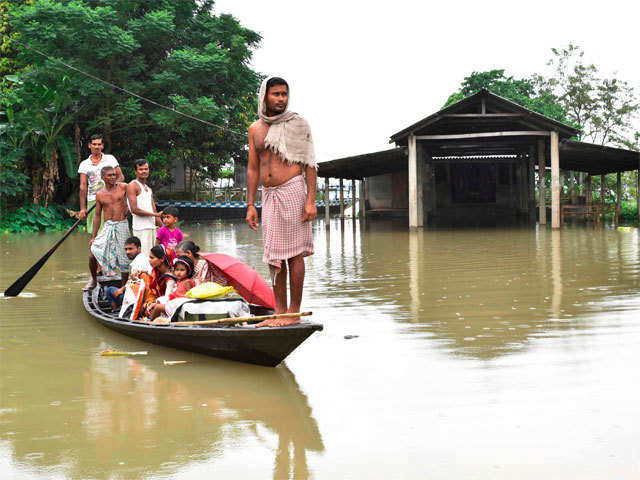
[
  {"x": 264, "y": 346},
  {"x": 127, "y": 418}
]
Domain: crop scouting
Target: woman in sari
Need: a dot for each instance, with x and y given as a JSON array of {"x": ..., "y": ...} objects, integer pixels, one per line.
[{"x": 161, "y": 282}]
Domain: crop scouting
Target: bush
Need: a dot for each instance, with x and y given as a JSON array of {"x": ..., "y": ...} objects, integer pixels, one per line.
[
  {"x": 629, "y": 211},
  {"x": 35, "y": 218}
]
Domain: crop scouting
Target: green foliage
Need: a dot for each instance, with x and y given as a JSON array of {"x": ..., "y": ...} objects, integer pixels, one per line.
[
  {"x": 175, "y": 53},
  {"x": 160, "y": 165},
  {"x": 629, "y": 212},
  {"x": 12, "y": 181},
  {"x": 521, "y": 91},
  {"x": 67, "y": 151},
  {"x": 226, "y": 173},
  {"x": 9, "y": 61},
  {"x": 603, "y": 108},
  {"x": 34, "y": 218}
]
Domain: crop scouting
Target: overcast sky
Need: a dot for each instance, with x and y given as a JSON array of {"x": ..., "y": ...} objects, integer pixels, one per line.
[{"x": 360, "y": 72}]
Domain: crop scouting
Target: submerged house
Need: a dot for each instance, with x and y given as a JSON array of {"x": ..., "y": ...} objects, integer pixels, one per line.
[{"x": 477, "y": 159}]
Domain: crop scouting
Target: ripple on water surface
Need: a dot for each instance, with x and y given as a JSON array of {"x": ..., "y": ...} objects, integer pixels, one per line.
[{"x": 501, "y": 340}]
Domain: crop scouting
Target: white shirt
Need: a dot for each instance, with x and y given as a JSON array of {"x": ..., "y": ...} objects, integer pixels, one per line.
[
  {"x": 94, "y": 174},
  {"x": 140, "y": 264}
]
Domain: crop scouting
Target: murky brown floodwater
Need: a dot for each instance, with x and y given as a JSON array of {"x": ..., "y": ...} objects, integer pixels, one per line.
[{"x": 482, "y": 353}]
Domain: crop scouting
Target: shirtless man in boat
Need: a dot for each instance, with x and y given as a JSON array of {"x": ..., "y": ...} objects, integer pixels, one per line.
[
  {"x": 278, "y": 157},
  {"x": 107, "y": 245}
]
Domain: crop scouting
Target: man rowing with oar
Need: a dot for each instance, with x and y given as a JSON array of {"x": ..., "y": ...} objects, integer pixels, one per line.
[
  {"x": 107, "y": 245},
  {"x": 280, "y": 151}
]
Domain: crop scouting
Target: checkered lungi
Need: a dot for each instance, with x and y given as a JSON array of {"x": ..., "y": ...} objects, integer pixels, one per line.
[
  {"x": 108, "y": 247},
  {"x": 283, "y": 232}
]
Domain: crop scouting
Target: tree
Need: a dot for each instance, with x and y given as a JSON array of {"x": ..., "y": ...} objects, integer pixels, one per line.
[
  {"x": 175, "y": 53},
  {"x": 604, "y": 108},
  {"x": 9, "y": 62}
]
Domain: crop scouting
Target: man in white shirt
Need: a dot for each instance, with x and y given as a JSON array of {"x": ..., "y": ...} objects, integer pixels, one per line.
[
  {"x": 91, "y": 178},
  {"x": 139, "y": 263},
  {"x": 143, "y": 208}
]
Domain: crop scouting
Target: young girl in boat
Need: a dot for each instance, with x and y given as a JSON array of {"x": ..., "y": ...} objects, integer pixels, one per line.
[
  {"x": 200, "y": 265},
  {"x": 203, "y": 270},
  {"x": 161, "y": 282},
  {"x": 167, "y": 305}
]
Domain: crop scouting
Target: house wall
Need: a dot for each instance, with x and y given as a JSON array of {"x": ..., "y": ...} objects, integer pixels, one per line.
[
  {"x": 177, "y": 174},
  {"x": 239, "y": 175},
  {"x": 388, "y": 191},
  {"x": 391, "y": 191},
  {"x": 511, "y": 191}
]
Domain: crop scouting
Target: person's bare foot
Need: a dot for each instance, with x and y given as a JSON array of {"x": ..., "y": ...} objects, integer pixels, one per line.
[
  {"x": 279, "y": 322},
  {"x": 91, "y": 284}
]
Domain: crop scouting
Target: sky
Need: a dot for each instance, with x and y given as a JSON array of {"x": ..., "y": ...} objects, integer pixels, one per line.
[{"x": 361, "y": 71}]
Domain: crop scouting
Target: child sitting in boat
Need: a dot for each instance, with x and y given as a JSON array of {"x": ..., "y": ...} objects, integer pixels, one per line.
[
  {"x": 200, "y": 265},
  {"x": 203, "y": 271},
  {"x": 167, "y": 305}
]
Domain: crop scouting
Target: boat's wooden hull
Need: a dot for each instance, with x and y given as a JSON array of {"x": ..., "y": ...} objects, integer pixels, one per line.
[{"x": 263, "y": 346}]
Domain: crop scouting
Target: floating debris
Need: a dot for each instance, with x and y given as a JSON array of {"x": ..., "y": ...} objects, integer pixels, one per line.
[
  {"x": 175, "y": 362},
  {"x": 116, "y": 353}
]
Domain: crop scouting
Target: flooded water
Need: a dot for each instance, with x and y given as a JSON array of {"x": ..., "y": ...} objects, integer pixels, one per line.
[{"x": 493, "y": 353}]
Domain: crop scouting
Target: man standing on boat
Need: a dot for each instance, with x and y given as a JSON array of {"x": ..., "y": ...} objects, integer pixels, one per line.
[
  {"x": 107, "y": 243},
  {"x": 91, "y": 182},
  {"x": 143, "y": 208},
  {"x": 280, "y": 151}
]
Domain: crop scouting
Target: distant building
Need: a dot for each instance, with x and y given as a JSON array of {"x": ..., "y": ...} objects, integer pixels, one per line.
[{"x": 477, "y": 159}]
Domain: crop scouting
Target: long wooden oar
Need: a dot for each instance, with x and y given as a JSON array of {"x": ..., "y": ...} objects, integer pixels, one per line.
[
  {"x": 19, "y": 284},
  {"x": 245, "y": 319}
]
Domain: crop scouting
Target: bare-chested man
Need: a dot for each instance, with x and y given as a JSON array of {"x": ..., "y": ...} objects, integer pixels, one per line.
[
  {"x": 280, "y": 151},
  {"x": 107, "y": 246}
]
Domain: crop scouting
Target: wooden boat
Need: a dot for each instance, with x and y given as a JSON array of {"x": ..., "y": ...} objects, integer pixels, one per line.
[{"x": 260, "y": 346}]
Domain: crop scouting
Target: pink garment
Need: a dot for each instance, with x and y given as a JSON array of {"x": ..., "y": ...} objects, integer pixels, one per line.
[
  {"x": 284, "y": 233},
  {"x": 169, "y": 238}
]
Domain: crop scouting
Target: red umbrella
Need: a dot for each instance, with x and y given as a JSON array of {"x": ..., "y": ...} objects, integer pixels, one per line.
[{"x": 247, "y": 282}]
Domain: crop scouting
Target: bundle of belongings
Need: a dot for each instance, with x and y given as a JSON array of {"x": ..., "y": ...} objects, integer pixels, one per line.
[
  {"x": 207, "y": 301},
  {"x": 196, "y": 310}
]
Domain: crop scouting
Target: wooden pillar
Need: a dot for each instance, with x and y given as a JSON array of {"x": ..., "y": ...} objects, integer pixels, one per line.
[
  {"x": 532, "y": 186},
  {"x": 572, "y": 187},
  {"x": 638, "y": 195},
  {"x": 327, "y": 207},
  {"x": 353, "y": 199},
  {"x": 524, "y": 188},
  {"x": 580, "y": 182},
  {"x": 341, "y": 198},
  {"x": 510, "y": 168},
  {"x": 618, "y": 196},
  {"x": 555, "y": 180},
  {"x": 362, "y": 200},
  {"x": 416, "y": 181},
  {"x": 603, "y": 182},
  {"x": 588, "y": 194},
  {"x": 542, "y": 183}
]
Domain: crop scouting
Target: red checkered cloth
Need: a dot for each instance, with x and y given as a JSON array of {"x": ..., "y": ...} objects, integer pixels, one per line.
[{"x": 283, "y": 232}]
